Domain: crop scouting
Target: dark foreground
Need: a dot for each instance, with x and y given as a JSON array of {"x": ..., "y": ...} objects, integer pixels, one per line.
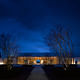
[
  {"x": 58, "y": 73},
  {"x": 46, "y": 72},
  {"x": 16, "y": 73}
]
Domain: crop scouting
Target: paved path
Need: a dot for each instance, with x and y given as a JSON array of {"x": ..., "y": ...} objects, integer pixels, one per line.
[{"x": 37, "y": 74}]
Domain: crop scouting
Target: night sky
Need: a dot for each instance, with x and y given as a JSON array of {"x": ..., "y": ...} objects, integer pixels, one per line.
[{"x": 31, "y": 20}]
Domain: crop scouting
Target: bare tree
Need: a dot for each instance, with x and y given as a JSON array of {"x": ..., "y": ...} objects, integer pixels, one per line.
[
  {"x": 59, "y": 40},
  {"x": 8, "y": 47}
]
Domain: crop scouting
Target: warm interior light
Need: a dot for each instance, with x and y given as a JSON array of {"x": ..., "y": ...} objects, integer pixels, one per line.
[
  {"x": 41, "y": 61},
  {"x": 1, "y": 63}
]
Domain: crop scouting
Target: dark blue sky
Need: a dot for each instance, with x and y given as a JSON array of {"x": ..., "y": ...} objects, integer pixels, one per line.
[{"x": 30, "y": 20}]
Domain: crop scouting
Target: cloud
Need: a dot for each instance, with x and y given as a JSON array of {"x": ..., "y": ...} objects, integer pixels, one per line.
[
  {"x": 31, "y": 20},
  {"x": 27, "y": 12},
  {"x": 33, "y": 14}
]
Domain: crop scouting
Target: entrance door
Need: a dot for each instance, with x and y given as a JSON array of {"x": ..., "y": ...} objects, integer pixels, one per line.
[{"x": 38, "y": 62}]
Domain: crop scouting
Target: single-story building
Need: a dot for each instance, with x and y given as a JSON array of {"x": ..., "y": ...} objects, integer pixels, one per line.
[{"x": 40, "y": 58}]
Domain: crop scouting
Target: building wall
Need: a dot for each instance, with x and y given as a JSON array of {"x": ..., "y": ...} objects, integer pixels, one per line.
[
  {"x": 77, "y": 60},
  {"x": 11, "y": 60},
  {"x": 33, "y": 60},
  {"x": 43, "y": 60}
]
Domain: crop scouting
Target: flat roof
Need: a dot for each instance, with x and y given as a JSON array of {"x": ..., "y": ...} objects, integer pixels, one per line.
[{"x": 36, "y": 54}]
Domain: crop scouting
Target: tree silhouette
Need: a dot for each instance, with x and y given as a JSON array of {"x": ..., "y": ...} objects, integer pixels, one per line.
[
  {"x": 59, "y": 40},
  {"x": 8, "y": 47}
]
